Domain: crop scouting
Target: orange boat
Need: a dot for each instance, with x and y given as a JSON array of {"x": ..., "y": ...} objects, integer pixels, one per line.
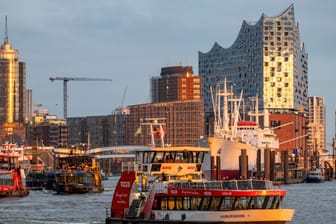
[{"x": 12, "y": 177}]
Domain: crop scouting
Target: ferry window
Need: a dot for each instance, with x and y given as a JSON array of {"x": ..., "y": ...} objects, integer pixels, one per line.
[
  {"x": 195, "y": 202},
  {"x": 258, "y": 202},
  {"x": 158, "y": 157},
  {"x": 171, "y": 203},
  {"x": 178, "y": 203},
  {"x": 198, "y": 167},
  {"x": 229, "y": 185},
  {"x": 239, "y": 204},
  {"x": 205, "y": 203},
  {"x": 276, "y": 202},
  {"x": 214, "y": 204},
  {"x": 273, "y": 202},
  {"x": 7, "y": 182},
  {"x": 213, "y": 185},
  {"x": 164, "y": 203},
  {"x": 258, "y": 185},
  {"x": 186, "y": 203},
  {"x": 169, "y": 157},
  {"x": 243, "y": 185},
  {"x": 181, "y": 157},
  {"x": 245, "y": 201},
  {"x": 194, "y": 185},
  {"x": 226, "y": 203},
  {"x": 156, "y": 167},
  {"x": 267, "y": 202},
  {"x": 147, "y": 157},
  {"x": 194, "y": 157}
]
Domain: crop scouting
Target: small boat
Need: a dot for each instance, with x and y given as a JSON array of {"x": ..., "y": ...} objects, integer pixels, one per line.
[
  {"x": 12, "y": 177},
  {"x": 315, "y": 176},
  {"x": 76, "y": 174},
  {"x": 166, "y": 185}
]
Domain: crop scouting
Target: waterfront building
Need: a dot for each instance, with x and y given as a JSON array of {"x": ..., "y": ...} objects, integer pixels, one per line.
[
  {"x": 266, "y": 60},
  {"x": 175, "y": 83},
  {"x": 184, "y": 120},
  {"x": 46, "y": 130},
  {"x": 98, "y": 131},
  {"x": 176, "y": 98},
  {"x": 12, "y": 93},
  {"x": 316, "y": 124},
  {"x": 290, "y": 128},
  {"x": 29, "y": 105}
]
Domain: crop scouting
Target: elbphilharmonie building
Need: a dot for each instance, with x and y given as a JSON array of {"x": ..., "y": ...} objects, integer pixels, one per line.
[{"x": 266, "y": 60}]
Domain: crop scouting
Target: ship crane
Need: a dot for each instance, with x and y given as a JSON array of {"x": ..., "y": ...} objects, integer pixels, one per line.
[{"x": 65, "y": 88}]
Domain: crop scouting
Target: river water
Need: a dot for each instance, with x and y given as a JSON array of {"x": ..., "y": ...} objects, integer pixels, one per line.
[{"x": 314, "y": 203}]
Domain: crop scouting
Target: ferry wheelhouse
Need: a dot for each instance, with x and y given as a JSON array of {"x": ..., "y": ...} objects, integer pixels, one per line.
[{"x": 166, "y": 184}]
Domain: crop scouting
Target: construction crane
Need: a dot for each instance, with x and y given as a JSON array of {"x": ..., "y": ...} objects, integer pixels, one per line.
[{"x": 65, "y": 88}]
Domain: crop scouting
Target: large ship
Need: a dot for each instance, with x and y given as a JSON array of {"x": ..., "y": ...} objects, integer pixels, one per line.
[
  {"x": 166, "y": 185},
  {"x": 12, "y": 177},
  {"x": 233, "y": 134}
]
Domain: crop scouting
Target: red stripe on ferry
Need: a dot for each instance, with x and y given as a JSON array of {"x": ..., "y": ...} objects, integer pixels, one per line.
[{"x": 220, "y": 193}]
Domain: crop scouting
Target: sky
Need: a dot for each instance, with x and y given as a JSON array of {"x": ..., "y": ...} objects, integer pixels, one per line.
[{"x": 129, "y": 41}]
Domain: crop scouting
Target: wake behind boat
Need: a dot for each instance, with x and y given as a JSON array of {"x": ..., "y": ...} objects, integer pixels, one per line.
[{"x": 166, "y": 185}]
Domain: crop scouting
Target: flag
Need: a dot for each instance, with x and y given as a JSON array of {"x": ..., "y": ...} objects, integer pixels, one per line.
[
  {"x": 138, "y": 132},
  {"x": 162, "y": 132},
  {"x": 156, "y": 132}
]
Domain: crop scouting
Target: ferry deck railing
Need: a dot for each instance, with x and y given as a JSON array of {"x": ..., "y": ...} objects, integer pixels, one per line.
[{"x": 225, "y": 185}]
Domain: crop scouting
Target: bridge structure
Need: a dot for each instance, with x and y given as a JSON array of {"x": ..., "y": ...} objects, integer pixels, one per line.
[{"x": 109, "y": 158}]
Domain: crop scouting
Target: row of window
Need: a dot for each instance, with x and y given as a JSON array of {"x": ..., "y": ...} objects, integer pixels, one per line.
[{"x": 216, "y": 203}]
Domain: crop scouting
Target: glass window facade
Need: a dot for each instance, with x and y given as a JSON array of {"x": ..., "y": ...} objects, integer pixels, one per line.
[{"x": 266, "y": 57}]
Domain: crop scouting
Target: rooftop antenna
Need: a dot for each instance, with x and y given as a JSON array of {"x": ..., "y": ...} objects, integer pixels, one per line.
[{"x": 6, "y": 31}]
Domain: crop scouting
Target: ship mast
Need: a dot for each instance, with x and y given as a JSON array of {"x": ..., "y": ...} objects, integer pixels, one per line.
[{"x": 153, "y": 124}]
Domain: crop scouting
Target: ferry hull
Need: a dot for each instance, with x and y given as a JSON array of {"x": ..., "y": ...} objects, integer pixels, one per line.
[
  {"x": 19, "y": 193},
  {"x": 275, "y": 216}
]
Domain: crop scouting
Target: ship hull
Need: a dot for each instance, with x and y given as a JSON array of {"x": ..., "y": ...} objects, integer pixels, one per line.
[
  {"x": 16, "y": 193},
  {"x": 229, "y": 152},
  {"x": 275, "y": 216}
]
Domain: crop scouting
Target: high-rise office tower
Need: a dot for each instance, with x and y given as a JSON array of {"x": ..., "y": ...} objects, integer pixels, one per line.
[
  {"x": 267, "y": 59},
  {"x": 12, "y": 90},
  {"x": 176, "y": 83},
  {"x": 316, "y": 124}
]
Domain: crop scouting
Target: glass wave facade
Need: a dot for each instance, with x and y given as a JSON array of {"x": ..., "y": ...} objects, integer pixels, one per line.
[{"x": 266, "y": 60}]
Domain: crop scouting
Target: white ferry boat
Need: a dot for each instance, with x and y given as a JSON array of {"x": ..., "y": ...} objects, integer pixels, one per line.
[{"x": 166, "y": 185}]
